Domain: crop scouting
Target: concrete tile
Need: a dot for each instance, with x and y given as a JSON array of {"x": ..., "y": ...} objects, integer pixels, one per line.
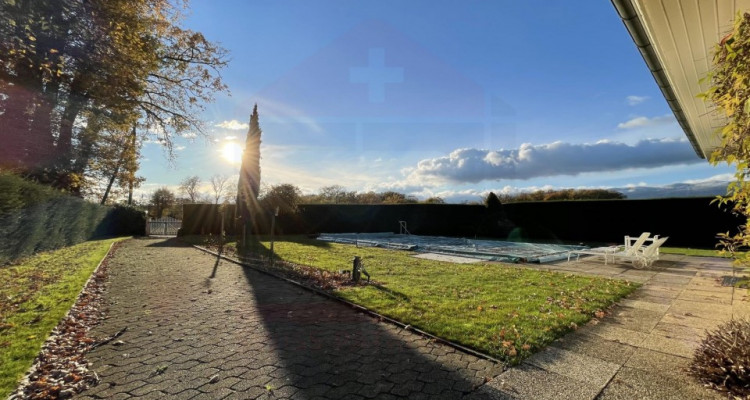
[
  {"x": 701, "y": 310},
  {"x": 642, "y": 296},
  {"x": 671, "y": 279},
  {"x": 655, "y": 361},
  {"x": 617, "y": 334},
  {"x": 645, "y": 305},
  {"x": 690, "y": 320},
  {"x": 660, "y": 286},
  {"x": 529, "y": 382},
  {"x": 741, "y": 311},
  {"x": 663, "y": 294},
  {"x": 676, "y": 346},
  {"x": 596, "y": 346},
  {"x": 631, "y": 383},
  {"x": 678, "y": 271},
  {"x": 680, "y": 331},
  {"x": 704, "y": 296},
  {"x": 634, "y": 319},
  {"x": 574, "y": 365}
]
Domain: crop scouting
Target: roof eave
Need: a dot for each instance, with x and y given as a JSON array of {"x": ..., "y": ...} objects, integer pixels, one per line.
[{"x": 634, "y": 25}]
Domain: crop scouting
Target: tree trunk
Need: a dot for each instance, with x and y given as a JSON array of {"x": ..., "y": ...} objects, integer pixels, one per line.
[
  {"x": 65, "y": 139},
  {"x": 131, "y": 139}
]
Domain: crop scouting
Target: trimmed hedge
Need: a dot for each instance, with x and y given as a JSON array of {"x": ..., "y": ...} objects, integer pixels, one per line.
[
  {"x": 34, "y": 218},
  {"x": 17, "y": 193},
  {"x": 689, "y": 222},
  {"x": 204, "y": 219}
]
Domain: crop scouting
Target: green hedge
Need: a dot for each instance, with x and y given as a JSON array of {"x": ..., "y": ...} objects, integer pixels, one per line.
[
  {"x": 17, "y": 193},
  {"x": 689, "y": 222},
  {"x": 35, "y": 218}
]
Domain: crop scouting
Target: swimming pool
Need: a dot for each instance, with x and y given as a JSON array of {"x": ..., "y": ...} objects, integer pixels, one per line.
[{"x": 490, "y": 250}]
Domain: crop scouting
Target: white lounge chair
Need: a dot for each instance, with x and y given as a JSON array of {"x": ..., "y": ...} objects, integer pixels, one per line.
[
  {"x": 607, "y": 252},
  {"x": 642, "y": 258},
  {"x": 630, "y": 241},
  {"x": 632, "y": 247}
]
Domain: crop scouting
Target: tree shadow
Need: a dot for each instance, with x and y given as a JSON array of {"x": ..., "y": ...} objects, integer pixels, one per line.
[
  {"x": 328, "y": 348},
  {"x": 168, "y": 242}
]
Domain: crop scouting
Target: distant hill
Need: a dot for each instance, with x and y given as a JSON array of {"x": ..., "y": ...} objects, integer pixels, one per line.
[{"x": 703, "y": 189}]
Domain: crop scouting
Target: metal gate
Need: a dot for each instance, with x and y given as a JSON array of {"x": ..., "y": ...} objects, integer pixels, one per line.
[{"x": 166, "y": 226}]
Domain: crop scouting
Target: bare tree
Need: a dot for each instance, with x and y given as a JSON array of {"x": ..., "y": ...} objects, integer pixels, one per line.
[
  {"x": 220, "y": 185},
  {"x": 189, "y": 187},
  {"x": 230, "y": 196}
]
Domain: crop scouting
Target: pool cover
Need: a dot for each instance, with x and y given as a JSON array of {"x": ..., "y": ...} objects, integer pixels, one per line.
[{"x": 490, "y": 250}]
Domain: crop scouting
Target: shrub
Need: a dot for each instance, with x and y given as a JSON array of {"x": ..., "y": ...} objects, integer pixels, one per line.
[
  {"x": 36, "y": 218},
  {"x": 17, "y": 193},
  {"x": 723, "y": 359}
]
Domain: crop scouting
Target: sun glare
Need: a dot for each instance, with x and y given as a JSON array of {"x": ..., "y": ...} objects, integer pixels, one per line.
[{"x": 232, "y": 152}]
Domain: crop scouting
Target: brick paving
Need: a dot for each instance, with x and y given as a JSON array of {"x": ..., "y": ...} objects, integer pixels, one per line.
[{"x": 245, "y": 335}]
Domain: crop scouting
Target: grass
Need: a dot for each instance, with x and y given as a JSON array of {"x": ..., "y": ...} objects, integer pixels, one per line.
[
  {"x": 35, "y": 295},
  {"x": 505, "y": 311},
  {"x": 695, "y": 252}
]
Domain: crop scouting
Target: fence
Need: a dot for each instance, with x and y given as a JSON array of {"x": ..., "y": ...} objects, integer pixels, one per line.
[{"x": 166, "y": 226}]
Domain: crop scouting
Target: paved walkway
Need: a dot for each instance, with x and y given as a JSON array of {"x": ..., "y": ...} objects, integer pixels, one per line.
[
  {"x": 243, "y": 334},
  {"x": 642, "y": 349},
  {"x": 247, "y": 335}
]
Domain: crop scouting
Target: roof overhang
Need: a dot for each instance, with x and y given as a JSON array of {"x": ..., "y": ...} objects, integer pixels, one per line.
[{"x": 676, "y": 39}]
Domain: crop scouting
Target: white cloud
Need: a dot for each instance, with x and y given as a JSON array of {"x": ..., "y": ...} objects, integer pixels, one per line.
[
  {"x": 553, "y": 159},
  {"x": 179, "y": 148},
  {"x": 230, "y": 137},
  {"x": 190, "y": 135},
  {"x": 721, "y": 178},
  {"x": 635, "y": 100},
  {"x": 706, "y": 187},
  {"x": 232, "y": 125},
  {"x": 642, "y": 122}
]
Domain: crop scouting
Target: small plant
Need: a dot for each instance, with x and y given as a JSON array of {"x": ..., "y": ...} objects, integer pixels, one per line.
[{"x": 723, "y": 359}]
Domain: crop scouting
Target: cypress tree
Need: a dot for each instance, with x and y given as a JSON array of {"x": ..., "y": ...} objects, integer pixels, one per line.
[{"x": 248, "y": 185}]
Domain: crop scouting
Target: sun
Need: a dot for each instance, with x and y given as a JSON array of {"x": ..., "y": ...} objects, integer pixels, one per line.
[{"x": 232, "y": 152}]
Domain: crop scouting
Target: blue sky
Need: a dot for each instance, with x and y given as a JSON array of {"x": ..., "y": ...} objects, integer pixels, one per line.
[{"x": 435, "y": 98}]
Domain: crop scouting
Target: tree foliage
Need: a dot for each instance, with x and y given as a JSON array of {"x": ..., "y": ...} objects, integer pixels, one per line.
[
  {"x": 76, "y": 76},
  {"x": 284, "y": 196},
  {"x": 730, "y": 92},
  {"x": 248, "y": 185},
  {"x": 161, "y": 200},
  {"x": 562, "y": 194}
]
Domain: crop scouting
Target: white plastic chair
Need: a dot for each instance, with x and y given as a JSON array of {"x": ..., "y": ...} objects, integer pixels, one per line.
[{"x": 644, "y": 258}]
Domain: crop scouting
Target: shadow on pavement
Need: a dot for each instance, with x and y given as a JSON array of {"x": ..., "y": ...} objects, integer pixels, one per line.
[{"x": 328, "y": 349}]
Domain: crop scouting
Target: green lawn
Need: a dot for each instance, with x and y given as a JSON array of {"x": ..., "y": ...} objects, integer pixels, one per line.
[
  {"x": 692, "y": 252},
  {"x": 505, "y": 311},
  {"x": 35, "y": 294}
]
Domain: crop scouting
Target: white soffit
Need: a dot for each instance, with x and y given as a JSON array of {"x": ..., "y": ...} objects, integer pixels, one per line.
[{"x": 676, "y": 39}]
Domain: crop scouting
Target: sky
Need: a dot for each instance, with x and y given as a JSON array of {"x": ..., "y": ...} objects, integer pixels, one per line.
[{"x": 436, "y": 98}]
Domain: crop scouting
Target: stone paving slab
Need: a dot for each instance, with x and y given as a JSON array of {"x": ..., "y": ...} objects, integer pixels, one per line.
[
  {"x": 659, "y": 307},
  {"x": 642, "y": 349},
  {"x": 596, "y": 346},
  {"x": 245, "y": 335},
  {"x": 632, "y": 383},
  {"x": 659, "y": 342},
  {"x": 529, "y": 382},
  {"x": 579, "y": 367}
]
